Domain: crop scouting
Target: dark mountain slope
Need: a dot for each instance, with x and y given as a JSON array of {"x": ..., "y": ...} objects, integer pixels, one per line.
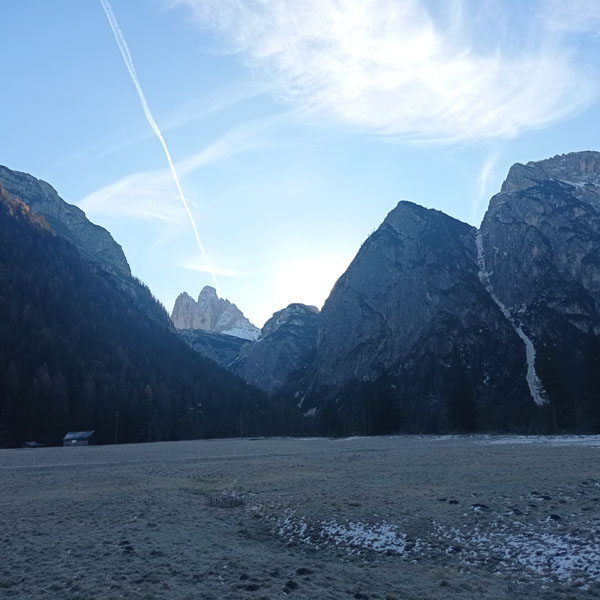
[
  {"x": 286, "y": 344},
  {"x": 93, "y": 243},
  {"x": 410, "y": 340},
  {"x": 74, "y": 350},
  {"x": 68, "y": 221}
]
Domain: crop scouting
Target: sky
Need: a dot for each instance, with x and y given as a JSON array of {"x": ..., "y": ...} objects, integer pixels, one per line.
[{"x": 293, "y": 126}]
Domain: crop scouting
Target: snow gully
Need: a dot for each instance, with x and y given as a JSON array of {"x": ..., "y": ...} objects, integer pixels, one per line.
[{"x": 536, "y": 389}]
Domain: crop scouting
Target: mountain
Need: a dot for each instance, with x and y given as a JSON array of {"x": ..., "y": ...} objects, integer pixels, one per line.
[
  {"x": 436, "y": 326},
  {"x": 409, "y": 337},
  {"x": 76, "y": 353},
  {"x": 286, "y": 344},
  {"x": 540, "y": 248},
  {"x": 222, "y": 348},
  {"x": 93, "y": 243},
  {"x": 211, "y": 313},
  {"x": 68, "y": 221}
]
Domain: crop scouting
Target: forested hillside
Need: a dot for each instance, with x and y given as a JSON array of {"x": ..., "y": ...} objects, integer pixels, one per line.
[{"x": 77, "y": 354}]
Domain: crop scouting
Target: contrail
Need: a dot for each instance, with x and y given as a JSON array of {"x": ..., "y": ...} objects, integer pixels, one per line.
[{"x": 114, "y": 25}]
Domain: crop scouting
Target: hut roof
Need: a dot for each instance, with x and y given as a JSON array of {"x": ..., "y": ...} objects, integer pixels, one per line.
[{"x": 78, "y": 435}]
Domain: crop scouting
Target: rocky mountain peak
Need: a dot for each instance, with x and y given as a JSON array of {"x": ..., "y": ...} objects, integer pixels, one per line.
[
  {"x": 208, "y": 292},
  {"x": 286, "y": 344},
  {"x": 575, "y": 168},
  {"x": 406, "y": 216},
  {"x": 211, "y": 313},
  {"x": 184, "y": 299},
  {"x": 296, "y": 314}
]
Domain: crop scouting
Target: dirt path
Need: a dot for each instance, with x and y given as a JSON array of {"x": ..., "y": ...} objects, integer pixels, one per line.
[{"x": 400, "y": 517}]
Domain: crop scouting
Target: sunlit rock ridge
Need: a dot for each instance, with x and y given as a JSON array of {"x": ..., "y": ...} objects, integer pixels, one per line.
[
  {"x": 92, "y": 241},
  {"x": 211, "y": 313}
]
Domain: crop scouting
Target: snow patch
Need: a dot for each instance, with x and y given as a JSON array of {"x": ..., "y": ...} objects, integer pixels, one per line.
[
  {"x": 381, "y": 537},
  {"x": 536, "y": 389},
  {"x": 556, "y": 555},
  {"x": 545, "y": 549},
  {"x": 250, "y": 332},
  {"x": 352, "y": 536}
]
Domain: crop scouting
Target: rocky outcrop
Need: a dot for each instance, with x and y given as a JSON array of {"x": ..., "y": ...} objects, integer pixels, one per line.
[
  {"x": 93, "y": 242},
  {"x": 286, "y": 344},
  {"x": 211, "y": 313},
  {"x": 222, "y": 349},
  {"x": 577, "y": 168}
]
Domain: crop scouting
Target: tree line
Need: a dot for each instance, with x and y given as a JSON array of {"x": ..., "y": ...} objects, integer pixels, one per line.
[{"x": 77, "y": 353}]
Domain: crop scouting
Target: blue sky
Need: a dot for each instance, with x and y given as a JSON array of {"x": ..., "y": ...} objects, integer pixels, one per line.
[{"x": 295, "y": 126}]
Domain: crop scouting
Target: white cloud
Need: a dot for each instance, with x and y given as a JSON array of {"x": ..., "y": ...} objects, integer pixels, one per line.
[
  {"x": 199, "y": 266},
  {"x": 152, "y": 195},
  {"x": 149, "y": 196},
  {"x": 388, "y": 67}
]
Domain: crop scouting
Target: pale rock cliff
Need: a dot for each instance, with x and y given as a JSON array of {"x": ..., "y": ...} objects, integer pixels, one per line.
[{"x": 211, "y": 313}]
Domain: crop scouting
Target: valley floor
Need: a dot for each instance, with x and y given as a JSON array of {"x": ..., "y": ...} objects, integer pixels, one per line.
[{"x": 381, "y": 518}]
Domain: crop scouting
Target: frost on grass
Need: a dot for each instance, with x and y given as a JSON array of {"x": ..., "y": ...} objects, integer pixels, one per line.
[
  {"x": 352, "y": 536},
  {"x": 228, "y": 499},
  {"x": 554, "y": 555},
  {"x": 545, "y": 440}
]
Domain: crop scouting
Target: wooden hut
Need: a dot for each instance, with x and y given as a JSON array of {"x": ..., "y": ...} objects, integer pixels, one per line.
[{"x": 77, "y": 438}]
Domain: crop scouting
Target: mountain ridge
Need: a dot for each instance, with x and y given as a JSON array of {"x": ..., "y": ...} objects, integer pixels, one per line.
[{"x": 67, "y": 220}]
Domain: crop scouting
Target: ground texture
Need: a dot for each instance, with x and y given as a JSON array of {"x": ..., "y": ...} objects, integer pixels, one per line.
[{"x": 384, "y": 518}]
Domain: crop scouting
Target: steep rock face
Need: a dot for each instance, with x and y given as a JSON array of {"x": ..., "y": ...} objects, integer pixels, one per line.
[
  {"x": 211, "y": 313},
  {"x": 541, "y": 243},
  {"x": 92, "y": 241},
  {"x": 286, "y": 344},
  {"x": 576, "y": 168},
  {"x": 411, "y": 321}
]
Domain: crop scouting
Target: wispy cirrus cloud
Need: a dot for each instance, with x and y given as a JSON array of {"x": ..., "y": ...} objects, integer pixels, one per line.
[
  {"x": 152, "y": 196},
  {"x": 197, "y": 109},
  {"x": 484, "y": 188},
  {"x": 393, "y": 68},
  {"x": 148, "y": 196},
  {"x": 210, "y": 104}
]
